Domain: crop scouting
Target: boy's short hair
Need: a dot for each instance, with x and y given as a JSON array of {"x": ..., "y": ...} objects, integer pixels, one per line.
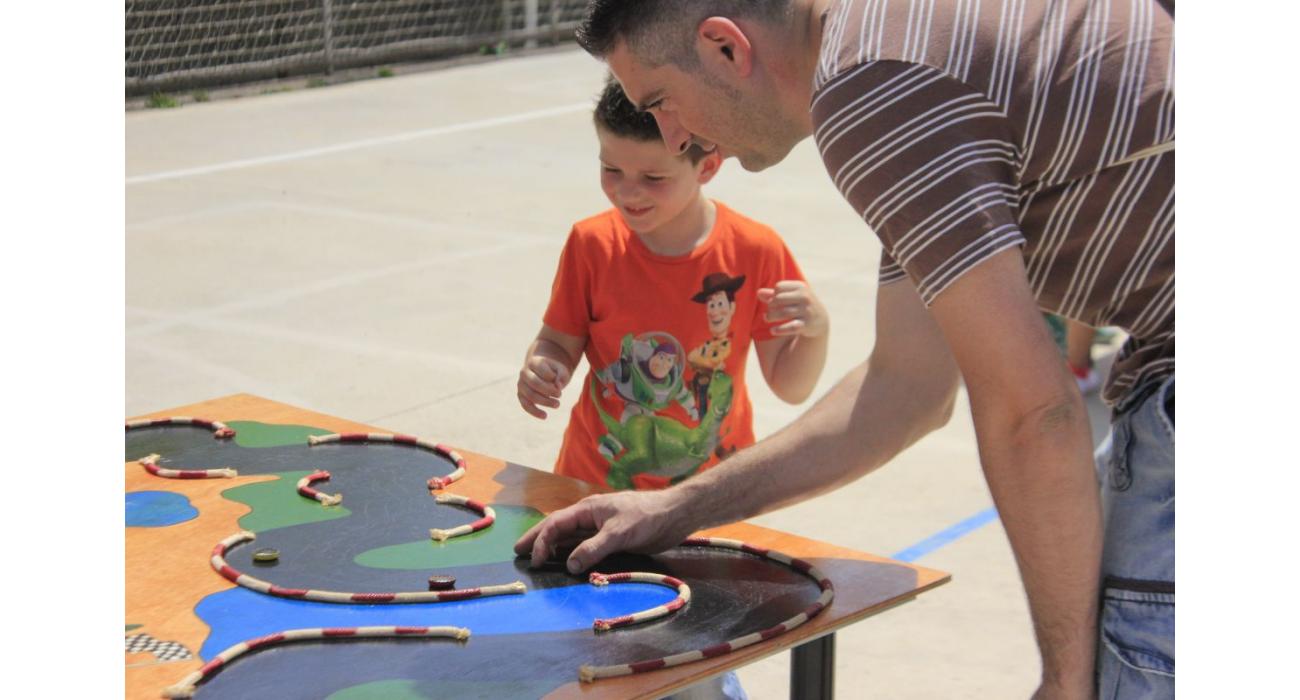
[{"x": 617, "y": 115}]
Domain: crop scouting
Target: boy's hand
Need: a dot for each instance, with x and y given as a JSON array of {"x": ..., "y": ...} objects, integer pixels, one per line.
[
  {"x": 793, "y": 301},
  {"x": 540, "y": 382}
]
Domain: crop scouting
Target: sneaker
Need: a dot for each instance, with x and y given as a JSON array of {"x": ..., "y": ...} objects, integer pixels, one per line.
[{"x": 1089, "y": 380}]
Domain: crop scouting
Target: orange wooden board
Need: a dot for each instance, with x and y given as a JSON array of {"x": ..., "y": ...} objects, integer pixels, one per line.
[{"x": 168, "y": 570}]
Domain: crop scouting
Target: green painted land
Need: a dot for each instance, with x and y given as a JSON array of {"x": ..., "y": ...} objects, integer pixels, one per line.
[
  {"x": 277, "y": 504},
  {"x": 495, "y": 544},
  {"x": 250, "y": 433}
]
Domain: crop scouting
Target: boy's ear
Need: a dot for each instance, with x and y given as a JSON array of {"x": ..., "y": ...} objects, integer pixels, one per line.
[
  {"x": 708, "y": 167},
  {"x": 723, "y": 46}
]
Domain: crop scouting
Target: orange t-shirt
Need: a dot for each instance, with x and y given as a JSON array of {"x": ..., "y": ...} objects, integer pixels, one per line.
[{"x": 668, "y": 339}]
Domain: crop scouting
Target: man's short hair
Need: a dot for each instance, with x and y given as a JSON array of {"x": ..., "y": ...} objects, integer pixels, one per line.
[
  {"x": 617, "y": 115},
  {"x": 662, "y": 31}
]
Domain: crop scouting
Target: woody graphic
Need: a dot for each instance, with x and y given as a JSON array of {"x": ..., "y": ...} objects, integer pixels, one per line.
[{"x": 718, "y": 294}]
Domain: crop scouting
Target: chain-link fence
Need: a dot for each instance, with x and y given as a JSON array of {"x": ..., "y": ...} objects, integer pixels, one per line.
[{"x": 186, "y": 44}]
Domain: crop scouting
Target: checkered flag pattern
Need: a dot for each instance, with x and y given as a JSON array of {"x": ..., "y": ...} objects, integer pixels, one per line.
[{"x": 163, "y": 651}]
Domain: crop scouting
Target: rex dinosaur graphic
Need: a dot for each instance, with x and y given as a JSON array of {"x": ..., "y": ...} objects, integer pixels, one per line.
[{"x": 652, "y": 444}]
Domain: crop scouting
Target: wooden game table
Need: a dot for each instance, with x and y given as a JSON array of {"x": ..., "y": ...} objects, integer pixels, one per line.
[{"x": 168, "y": 571}]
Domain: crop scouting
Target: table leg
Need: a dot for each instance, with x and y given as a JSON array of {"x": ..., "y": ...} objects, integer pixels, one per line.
[{"x": 812, "y": 669}]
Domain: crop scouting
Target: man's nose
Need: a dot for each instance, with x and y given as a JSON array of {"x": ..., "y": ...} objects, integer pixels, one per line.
[{"x": 675, "y": 137}]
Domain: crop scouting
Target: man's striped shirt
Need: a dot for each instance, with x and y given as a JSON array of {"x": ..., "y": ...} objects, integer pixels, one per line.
[{"x": 960, "y": 128}]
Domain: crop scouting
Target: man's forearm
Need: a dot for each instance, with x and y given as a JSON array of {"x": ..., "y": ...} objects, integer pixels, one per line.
[
  {"x": 867, "y": 418},
  {"x": 1041, "y": 477}
]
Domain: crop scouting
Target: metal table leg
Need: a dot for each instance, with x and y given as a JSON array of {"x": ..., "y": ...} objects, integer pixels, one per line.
[{"x": 812, "y": 670}]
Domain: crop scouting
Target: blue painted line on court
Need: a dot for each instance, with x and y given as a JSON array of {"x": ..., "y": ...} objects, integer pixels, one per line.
[{"x": 943, "y": 537}]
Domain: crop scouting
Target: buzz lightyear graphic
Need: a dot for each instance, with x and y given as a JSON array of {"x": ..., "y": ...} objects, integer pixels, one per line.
[{"x": 648, "y": 377}]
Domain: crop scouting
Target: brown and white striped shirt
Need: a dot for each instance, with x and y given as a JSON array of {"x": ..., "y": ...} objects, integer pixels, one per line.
[{"x": 960, "y": 128}]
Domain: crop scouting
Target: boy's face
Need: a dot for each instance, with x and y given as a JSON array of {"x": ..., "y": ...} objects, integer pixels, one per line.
[{"x": 648, "y": 185}]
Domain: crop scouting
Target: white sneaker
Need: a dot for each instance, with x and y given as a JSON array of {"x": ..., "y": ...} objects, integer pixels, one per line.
[{"x": 1090, "y": 383}]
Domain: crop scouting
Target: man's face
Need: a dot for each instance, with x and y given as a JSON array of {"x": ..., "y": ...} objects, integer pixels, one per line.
[
  {"x": 719, "y": 310},
  {"x": 702, "y": 108}
]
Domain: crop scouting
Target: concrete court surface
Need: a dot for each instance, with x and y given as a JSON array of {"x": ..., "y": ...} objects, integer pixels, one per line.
[{"x": 383, "y": 251}]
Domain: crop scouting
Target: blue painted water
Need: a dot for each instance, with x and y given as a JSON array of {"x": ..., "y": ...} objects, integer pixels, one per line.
[
  {"x": 157, "y": 509},
  {"x": 239, "y": 614}
]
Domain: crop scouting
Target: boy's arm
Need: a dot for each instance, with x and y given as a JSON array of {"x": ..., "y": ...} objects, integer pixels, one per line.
[
  {"x": 548, "y": 366},
  {"x": 792, "y": 361},
  {"x": 559, "y": 346},
  {"x": 904, "y": 391}
]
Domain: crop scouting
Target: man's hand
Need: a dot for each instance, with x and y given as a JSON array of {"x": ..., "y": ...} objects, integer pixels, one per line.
[
  {"x": 793, "y": 301},
  {"x": 629, "y": 521}
]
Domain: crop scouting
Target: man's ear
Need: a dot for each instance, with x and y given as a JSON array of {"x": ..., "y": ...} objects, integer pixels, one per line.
[
  {"x": 722, "y": 45},
  {"x": 708, "y": 167}
]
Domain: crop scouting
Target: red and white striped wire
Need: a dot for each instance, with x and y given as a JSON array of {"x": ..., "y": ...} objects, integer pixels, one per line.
[
  {"x": 305, "y": 489},
  {"x": 150, "y": 464},
  {"x": 238, "y": 577},
  {"x": 219, "y": 429},
  {"x": 489, "y": 517},
  {"x": 683, "y": 597},
  {"x": 188, "y": 685},
  {"x": 437, "y": 482},
  {"x": 589, "y": 673}
]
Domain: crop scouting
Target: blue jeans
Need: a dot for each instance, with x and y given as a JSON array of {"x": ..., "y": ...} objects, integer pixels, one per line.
[
  {"x": 1135, "y": 465},
  {"x": 723, "y": 687}
]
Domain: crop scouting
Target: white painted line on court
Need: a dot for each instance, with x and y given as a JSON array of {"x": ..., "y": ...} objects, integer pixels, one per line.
[
  {"x": 335, "y": 343},
  {"x": 354, "y": 145},
  {"x": 228, "y": 380},
  {"x": 174, "y": 219},
  {"x": 414, "y": 222},
  {"x": 374, "y": 420},
  {"x": 418, "y": 223},
  {"x": 330, "y": 283}
]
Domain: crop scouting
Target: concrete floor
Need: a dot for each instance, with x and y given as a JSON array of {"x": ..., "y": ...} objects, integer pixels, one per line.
[{"x": 383, "y": 251}]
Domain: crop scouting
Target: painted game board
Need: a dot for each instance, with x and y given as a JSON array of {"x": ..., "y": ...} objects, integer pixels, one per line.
[{"x": 181, "y": 612}]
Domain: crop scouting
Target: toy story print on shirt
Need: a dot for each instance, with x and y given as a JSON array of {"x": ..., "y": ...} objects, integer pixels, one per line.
[{"x": 650, "y": 376}]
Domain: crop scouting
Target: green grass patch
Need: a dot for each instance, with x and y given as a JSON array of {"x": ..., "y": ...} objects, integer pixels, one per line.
[{"x": 161, "y": 100}]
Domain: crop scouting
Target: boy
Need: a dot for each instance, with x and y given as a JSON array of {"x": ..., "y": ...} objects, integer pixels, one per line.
[{"x": 664, "y": 294}]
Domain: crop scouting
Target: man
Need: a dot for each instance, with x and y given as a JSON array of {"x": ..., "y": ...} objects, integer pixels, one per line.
[{"x": 1010, "y": 155}]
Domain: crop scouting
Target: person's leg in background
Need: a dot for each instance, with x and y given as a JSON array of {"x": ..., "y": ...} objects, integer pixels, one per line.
[
  {"x": 1075, "y": 341},
  {"x": 1135, "y": 465},
  {"x": 1079, "y": 338},
  {"x": 723, "y": 687}
]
